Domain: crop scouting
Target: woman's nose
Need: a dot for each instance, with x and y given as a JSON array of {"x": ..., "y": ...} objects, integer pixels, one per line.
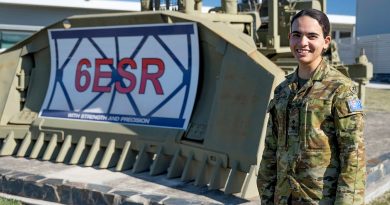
[{"x": 303, "y": 40}]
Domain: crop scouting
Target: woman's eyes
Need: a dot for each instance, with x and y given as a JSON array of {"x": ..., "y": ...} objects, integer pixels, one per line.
[
  {"x": 312, "y": 37},
  {"x": 309, "y": 36},
  {"x": 296, "y": 35}
]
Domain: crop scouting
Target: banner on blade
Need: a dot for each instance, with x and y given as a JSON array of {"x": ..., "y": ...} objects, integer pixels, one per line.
[{"x": 144, "y": 74}]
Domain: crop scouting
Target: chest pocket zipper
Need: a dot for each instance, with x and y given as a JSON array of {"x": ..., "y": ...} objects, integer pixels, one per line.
[
  {"x": 303, "y": 127},
  {"x": 315, "y": 116}
]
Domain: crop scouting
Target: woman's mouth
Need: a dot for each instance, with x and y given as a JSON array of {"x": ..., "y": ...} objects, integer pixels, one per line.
[{"x": 302, "y": 51}]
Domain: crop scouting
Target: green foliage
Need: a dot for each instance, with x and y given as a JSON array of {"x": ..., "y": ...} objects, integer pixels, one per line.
[
  {"x": 382, "y": 200},
  {"x": 4, "y": 201},
  {"x": 377, "y": 99}
]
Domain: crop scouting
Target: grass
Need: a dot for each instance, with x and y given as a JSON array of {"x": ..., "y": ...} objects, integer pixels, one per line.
[
  {"x": 382, "y": 200},
  {"x": 4, "y": 201},
  {"x": 377, "y": 100}
]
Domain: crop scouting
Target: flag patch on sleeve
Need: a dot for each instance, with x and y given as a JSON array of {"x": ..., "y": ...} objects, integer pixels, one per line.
[{"x": 355, "y": 105}]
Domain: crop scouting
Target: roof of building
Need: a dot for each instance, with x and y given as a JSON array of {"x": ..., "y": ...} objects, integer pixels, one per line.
[
  {"x": 87, "y": 4},
  {"x": 341, "y": 19},
  {"x": 117, "y": 5}
]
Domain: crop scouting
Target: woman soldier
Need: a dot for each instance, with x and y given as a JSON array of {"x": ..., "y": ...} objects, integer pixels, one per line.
[{"x": 314, "y": 149}]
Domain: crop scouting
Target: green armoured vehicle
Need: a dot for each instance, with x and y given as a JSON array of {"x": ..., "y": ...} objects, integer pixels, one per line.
[{"x": 182, "y": 94}]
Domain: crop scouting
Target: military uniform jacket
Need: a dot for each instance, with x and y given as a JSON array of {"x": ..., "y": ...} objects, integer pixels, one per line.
[{"x": 314, "y": 149}]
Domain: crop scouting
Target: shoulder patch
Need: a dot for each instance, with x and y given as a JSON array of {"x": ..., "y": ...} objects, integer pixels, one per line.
[
  {"x": 354, "y": 90},
  {"x": 355, "y": 105}
]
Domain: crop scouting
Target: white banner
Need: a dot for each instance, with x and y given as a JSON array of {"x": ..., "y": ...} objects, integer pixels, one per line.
[{"x": 144, "y": 74}]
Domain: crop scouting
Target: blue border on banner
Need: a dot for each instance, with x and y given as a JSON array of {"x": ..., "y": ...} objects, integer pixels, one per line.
[
  {"x": 143, "y": 31},
  {"x": 126, "y": 31}
]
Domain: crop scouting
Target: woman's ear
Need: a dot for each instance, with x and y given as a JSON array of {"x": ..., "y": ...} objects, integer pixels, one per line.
[{"x": 327, "y": 42}]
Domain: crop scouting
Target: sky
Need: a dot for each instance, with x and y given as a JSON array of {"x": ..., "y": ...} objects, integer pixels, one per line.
[{"x": 344, "y": 7}]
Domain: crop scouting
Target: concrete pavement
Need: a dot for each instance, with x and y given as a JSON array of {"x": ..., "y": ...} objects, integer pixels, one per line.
[{"x": 71, "y": 184}]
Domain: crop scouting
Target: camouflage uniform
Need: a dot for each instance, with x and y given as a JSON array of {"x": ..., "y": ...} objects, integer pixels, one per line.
[{"x": 314, "y": 149}]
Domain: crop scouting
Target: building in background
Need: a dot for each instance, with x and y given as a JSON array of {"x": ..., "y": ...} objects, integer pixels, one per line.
[
  {"x": 344, "y": 33},
  {"x": 20, "y": 18},
  {"x": 372, "y": 35},
  {"x": 343, "y": 27}
]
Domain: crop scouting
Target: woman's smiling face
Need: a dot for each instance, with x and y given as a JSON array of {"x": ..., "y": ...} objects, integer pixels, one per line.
[{"x": 307, "y": 41}]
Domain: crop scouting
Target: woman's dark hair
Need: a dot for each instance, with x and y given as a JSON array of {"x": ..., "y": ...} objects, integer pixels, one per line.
[{"x": 317, "y": 15}]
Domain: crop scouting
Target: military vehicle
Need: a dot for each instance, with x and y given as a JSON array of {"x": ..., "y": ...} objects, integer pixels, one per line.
[{"x": 176, "y": 93}]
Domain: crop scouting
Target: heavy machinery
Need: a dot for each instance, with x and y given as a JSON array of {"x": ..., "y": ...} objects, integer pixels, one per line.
[
  {"x": 182, "y": 94},
  {"x": 269, "y": 27}
]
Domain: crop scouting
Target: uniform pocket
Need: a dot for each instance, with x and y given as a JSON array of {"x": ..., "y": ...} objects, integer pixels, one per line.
[
  {"x": 280, "y": 109},
  {"x": 317, "y": 124}
]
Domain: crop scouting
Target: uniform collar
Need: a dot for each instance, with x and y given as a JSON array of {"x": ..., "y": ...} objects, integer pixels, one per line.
[
  {"x": 321, "y": 71},
  {"x": 318, "y": 75}
]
